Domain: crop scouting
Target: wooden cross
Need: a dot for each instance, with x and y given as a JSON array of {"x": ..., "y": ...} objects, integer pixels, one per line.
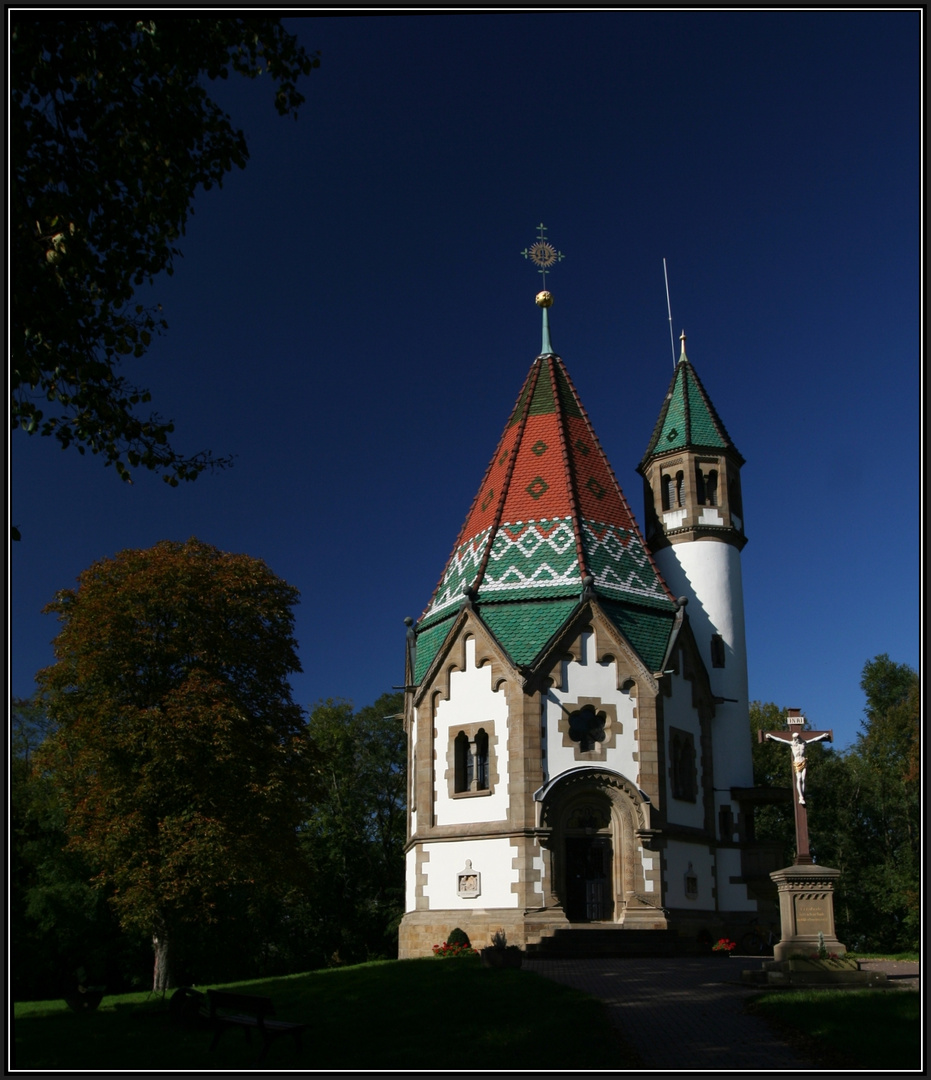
[{"x": 797, "y": 740}]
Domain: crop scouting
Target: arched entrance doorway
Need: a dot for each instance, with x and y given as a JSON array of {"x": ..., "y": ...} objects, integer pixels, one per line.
[
  {"x": 587, "y": 858},
  {"x": 596, "y": 821},
  {"x": 589, "y": 893}
]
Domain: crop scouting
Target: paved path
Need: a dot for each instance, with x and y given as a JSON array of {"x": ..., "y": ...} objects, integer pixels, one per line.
[{"x": 686, "y": 1014}]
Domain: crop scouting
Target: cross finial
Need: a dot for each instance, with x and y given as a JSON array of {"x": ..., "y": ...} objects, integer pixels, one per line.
[{"x": 542, "y": 253}]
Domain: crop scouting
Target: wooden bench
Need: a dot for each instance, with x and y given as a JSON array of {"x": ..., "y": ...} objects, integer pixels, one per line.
[{"x": 226, "y": 1008}]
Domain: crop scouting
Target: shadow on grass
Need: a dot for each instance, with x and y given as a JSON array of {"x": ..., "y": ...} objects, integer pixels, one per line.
[
  {"x": 849, "y": 1030},
  {"x": 409, "y": 1014}
]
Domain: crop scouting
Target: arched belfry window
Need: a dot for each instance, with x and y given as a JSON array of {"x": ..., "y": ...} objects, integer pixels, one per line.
[
  {"x": 711, "y": 488},
  {"x": 680, "y": 488},
  {"x": 666, "y": 491},
  {"x": 699, "y": 485}
]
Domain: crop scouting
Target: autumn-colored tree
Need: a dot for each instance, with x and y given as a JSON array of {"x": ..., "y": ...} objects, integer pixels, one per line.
[
  {"x": 112, "y": 133},
  {"x": 178, "y": 752}
]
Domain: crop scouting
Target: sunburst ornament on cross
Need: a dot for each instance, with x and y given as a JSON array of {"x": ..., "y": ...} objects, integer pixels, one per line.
[{"x": 544, "y": 256}]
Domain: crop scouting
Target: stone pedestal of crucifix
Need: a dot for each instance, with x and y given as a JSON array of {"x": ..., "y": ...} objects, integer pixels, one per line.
[{"x": 806, "y": 891}]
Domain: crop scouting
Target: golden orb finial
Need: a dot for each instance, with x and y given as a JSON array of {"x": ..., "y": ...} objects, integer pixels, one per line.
[{"x": 544, "y": 298}]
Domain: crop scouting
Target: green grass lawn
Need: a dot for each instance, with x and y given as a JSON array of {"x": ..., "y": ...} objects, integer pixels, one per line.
[
  {"x": 410, "y": 1014},
  {"x": 440, "y": 1015},
  {"x": 848, "y": 1029}
]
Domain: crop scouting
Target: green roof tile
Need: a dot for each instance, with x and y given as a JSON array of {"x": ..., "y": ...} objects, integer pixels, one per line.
[
  {"x": 429, "y": 640},
  {"x": 688, "y": 418},
  {"x": 524, "y": 628},
  {"x": 646, "y": 629}
]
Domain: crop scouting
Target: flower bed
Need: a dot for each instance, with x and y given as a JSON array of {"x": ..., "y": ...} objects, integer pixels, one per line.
[{"x": 452, "y": 951}]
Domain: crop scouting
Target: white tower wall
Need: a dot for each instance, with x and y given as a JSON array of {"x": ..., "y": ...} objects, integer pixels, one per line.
[{"x": 708, "y": 573}]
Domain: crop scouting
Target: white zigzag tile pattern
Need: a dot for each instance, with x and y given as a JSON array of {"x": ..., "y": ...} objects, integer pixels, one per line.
[
  {"x": 619, "y": 562},
  {"x": 461, "y": 569},
  {"x": 541, "y": 555}
]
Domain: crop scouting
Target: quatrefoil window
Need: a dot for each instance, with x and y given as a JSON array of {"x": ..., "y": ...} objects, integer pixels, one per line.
[{"x": 587, "y": 727}]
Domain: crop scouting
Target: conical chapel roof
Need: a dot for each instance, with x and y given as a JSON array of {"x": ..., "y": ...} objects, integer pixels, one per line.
[
  {"x": 548, "y": 515},
  {"x": 688, "y": 420}
]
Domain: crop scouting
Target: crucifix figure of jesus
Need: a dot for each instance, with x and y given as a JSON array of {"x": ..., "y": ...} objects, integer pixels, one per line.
[
  {"x": 797, "y": 741},
  {"x": 799, "y": 764}
]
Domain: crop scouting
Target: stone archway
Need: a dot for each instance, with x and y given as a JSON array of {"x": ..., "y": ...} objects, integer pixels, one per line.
[{"x": 596, "y": 821}]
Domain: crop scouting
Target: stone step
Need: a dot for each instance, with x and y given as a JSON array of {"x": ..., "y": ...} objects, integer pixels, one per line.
[{"x": 593, "y": 941}]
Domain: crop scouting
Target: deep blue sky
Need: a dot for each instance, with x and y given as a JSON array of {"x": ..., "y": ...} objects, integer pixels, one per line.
[{"x": 353, "y": 320}]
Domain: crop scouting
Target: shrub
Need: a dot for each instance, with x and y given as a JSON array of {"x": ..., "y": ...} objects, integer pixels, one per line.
[{"x": 458, "y": 937}]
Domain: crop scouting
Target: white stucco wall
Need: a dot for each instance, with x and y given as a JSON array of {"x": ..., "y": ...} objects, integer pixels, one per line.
[
  {"x": 471, "y": 701},
  {"x": 731, "y": 897},
  {"x": 678, "y": 857},
  {"x": 587, "y": 678},
  {"x": 648, "y": 863},
  {"x": 493, "y": 859}
]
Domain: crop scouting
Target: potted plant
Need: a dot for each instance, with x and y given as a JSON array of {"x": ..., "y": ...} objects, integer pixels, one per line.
[
  {"x": 724, "y": 947},
  {"x": 501, "y": 955}
]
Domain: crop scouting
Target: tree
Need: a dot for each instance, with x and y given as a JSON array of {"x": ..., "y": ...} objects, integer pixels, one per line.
[
  {"x": 112, "y": 133},
  {"x": 888, "y": 830},
  {"x": 179, "y": 756},
  {"x": 773, "y": 822},
  {"x": 353, "y": 837},
  {"x": 864, "y": 815},
  {"x": 62, "y": 930}
]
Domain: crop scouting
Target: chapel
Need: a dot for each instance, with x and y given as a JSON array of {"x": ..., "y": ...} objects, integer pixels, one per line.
[{"x": 576, "y": 700}]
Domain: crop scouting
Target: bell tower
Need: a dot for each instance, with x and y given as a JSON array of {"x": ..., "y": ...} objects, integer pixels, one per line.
[
  {"x": 695, "y": 531},
  {"x": 691, "y": 470}
]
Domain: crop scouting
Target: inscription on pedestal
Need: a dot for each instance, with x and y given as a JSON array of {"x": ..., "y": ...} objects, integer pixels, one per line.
[{"x": 812, "y": 914}]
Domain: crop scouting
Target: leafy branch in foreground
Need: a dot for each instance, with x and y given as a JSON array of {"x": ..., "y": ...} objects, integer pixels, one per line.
[{"x": 112, "y": 134}]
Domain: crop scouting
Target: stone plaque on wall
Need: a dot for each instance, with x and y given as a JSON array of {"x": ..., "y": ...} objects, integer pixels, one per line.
[{"x": 469, "y": 882}]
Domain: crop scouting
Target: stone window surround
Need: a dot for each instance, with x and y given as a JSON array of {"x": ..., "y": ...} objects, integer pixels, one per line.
[
  {"x": 470, "y": 731},
  {"x": 684, "y": 788},
  {"x": 612, "y": 728}
]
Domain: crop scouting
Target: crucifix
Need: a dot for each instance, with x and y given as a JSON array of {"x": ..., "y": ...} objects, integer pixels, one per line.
[{"x": 797, "y": 741}]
